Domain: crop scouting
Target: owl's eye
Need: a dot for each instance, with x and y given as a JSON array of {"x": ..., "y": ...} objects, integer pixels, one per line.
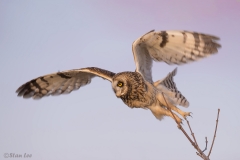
[{"x": 120, "y": 84}]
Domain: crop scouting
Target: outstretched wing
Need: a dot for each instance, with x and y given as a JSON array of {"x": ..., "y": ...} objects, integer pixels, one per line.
[
  {"x": 168, "y": 87},
  {"x": 61, "y": 82},
  {"x": 172, "y": 47}
]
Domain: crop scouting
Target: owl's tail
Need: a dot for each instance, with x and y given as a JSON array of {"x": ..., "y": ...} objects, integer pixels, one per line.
[{"x": 169, "y": 89}]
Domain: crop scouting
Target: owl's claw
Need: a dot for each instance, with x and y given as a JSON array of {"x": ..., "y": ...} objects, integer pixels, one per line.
[
  {"x": 190, "y": 114},
  {"x": 187, "y": 114},
  {"x": 182, "y": 123}
]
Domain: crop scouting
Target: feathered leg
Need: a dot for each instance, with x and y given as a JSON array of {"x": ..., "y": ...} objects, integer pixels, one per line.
[
  {"x": 182, "y": 113},
  {"x": 163, "y": 102},
  {"x": 179, "y": 111},
  {"x": 159, "y": 112}
]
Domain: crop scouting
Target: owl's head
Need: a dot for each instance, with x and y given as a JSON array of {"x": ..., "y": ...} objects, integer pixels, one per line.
[
  {"x": 120, "y": 85},
  {"x": 125, "y": 83}
]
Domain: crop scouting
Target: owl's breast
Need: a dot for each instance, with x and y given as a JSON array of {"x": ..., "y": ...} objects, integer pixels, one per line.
[{"x": 141, "y": 98}]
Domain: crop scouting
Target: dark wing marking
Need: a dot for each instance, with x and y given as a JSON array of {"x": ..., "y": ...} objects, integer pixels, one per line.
[
  {"x": 172, "y": 47},
  {"x": 172, "y": 92},
  {"x": 61, "y": 82},
  {"x": 168, "y": 81}
]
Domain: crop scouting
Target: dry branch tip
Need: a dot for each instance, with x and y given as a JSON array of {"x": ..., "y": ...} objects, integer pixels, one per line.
[{"x": 195, "y": 145}]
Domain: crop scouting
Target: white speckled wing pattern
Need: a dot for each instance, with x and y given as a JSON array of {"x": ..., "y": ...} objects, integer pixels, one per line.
[
  {"x": 61, "y": 82},
  {"x": 168, "y": 87},
  {"x": 172, "y": 47}
]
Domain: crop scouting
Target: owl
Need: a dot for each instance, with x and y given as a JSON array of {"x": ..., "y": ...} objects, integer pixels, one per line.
[{"x": 137, "y": 89}]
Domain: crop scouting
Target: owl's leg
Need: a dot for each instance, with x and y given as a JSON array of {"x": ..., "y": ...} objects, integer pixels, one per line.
[
  {"x": 163, "y": 102},
  {"x": 179, "y": 111},
  {"x": 182, "y": 113},
  {"x": 159, "y": 112}
]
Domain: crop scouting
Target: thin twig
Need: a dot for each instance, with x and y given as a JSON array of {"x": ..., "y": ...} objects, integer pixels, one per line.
[
  {"x": 179, "y": 125},
  {"x": 214, "y": 133},
  {"x": 201, "y": 154},
  {"x": 192, "y": 133},
  {"x": 206, "y": 145}
]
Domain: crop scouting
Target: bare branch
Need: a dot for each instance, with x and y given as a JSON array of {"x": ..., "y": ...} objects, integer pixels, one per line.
[
  {"x": 199, "y": 153},
  {"x": 179, "y": 125},
  {"x": 192, "y": 133},
  {"x": 214, "y": 133},
  {"x": 206, "y": 145}
]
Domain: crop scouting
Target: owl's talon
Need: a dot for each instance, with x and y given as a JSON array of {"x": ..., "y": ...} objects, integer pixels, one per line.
[
  {"x": 187, "y": 114},
  {"x": 190, "y": 114},
  {"x": 180, "y": 121}
]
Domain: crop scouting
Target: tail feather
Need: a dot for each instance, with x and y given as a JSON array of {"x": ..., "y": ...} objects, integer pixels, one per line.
[{"x": 169, "y": 88}]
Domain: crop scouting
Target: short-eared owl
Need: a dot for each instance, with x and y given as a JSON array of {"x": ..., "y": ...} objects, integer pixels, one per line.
[{"x": 136, "y": 89}]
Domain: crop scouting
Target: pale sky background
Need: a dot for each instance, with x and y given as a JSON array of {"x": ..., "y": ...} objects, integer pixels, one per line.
[{"x": 42, "y": 37}]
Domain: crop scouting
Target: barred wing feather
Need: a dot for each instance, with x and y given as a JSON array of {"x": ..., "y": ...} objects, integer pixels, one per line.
[
  {"x": 168, "y": 87},
  {"x": 61, "y": 82},
  {"x": 172, "y": 47}
]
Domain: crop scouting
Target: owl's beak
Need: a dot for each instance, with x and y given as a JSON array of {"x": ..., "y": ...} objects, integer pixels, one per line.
[{"x": 116, "y": 93}]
